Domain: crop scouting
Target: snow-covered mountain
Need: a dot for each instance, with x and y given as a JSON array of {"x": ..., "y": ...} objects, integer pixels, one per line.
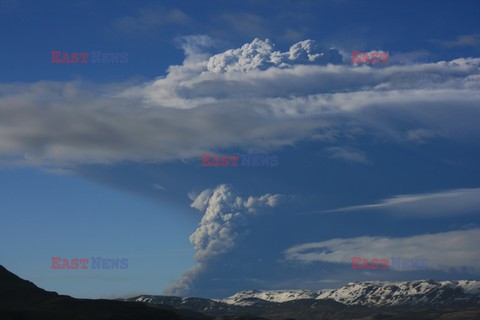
[
  {"x": 374, "y": 293},
  {"x": 421, "y": 299},
  {"x": 249, "y": 297},
  {"x": 410, "y": 293}
]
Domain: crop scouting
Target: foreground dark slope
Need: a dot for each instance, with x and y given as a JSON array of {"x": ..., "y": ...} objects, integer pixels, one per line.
[{"x": 21, "y": 299}]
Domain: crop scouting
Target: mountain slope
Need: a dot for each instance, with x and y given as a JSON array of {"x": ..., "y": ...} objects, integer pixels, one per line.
[
  {"x": 13, "y": 288},
  {"x": 22, "y": 300}
]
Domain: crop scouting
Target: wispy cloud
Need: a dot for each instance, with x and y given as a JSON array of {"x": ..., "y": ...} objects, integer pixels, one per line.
[
  {"x": 468, "y": 40},
  {"x": 443, "y": 251},
  {"x": 420, "y": 135},
  {"x": 328, "y": 281},
  {"x": 348, "y": 154},
  {"x": 159, "y": 187},
  {"x": 450, "y": 202}
]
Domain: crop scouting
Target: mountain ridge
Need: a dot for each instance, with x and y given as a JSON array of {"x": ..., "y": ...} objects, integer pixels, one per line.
[
  {"x": 365, "y": 293},
  {"x": 380, "y": 293}
]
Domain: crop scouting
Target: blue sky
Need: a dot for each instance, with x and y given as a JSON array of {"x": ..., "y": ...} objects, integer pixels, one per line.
[{"x": 105, "y": 159}]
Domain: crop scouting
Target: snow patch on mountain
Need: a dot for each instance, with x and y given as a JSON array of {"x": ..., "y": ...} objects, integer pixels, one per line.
[
  {"x": 247, "y": 298},
  {"x": 374, "y": 293}
]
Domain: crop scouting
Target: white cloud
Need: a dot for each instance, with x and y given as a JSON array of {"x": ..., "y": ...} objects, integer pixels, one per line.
[
  {"x": 194, "y": 47},
  {"x": 258, "y": 98},
  {"x": 328, "y": 281},
  {"x": 348, "y": 154},
  {"x": 450, "y": 202},
  {"x": 420, "y": 135},
  {"x": 443, "y": 251},
  {"x": 200, "y": 202},
  {"x": 252, "y": 204},
  {"x": 159, "y": 187},
  {"x": 260, "y": 55}
]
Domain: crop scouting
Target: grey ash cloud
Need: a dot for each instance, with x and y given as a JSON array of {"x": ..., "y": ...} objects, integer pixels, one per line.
[{"x": 226, "y": 218}]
